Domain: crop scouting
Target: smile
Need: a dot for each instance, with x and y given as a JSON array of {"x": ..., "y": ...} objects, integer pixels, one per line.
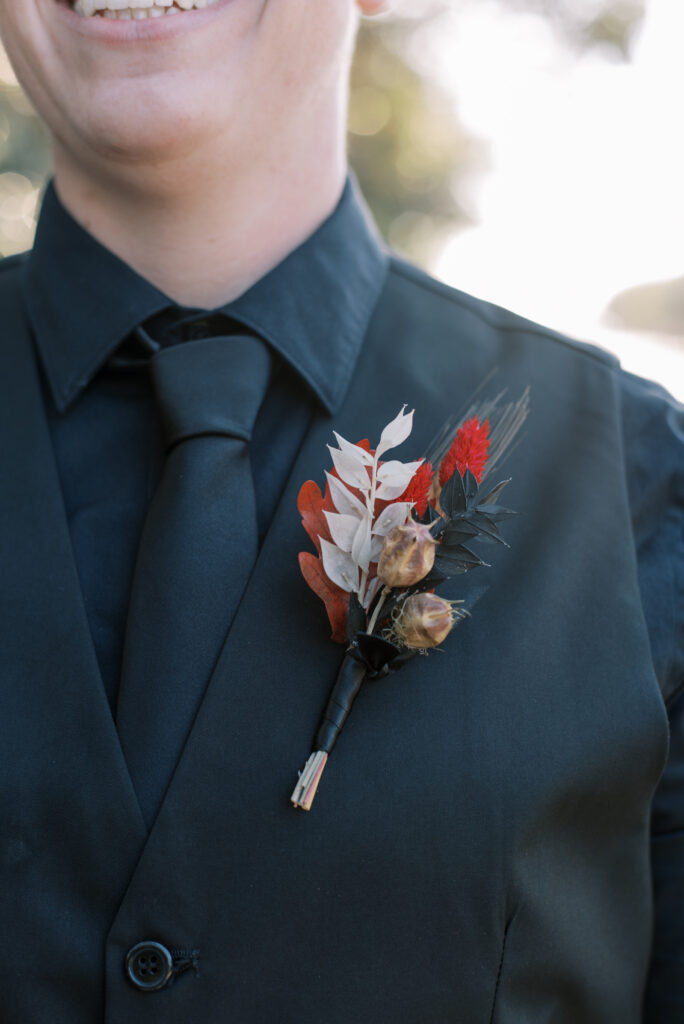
[{"x": 126, "y": 10}]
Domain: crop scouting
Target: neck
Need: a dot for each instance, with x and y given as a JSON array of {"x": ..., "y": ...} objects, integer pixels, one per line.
[{"x": 204, "y": 226}]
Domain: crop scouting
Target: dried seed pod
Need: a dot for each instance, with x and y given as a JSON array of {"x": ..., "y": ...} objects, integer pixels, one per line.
[
  {"x": 407, "y": 556},
  {"x": 425, "y": 621}
]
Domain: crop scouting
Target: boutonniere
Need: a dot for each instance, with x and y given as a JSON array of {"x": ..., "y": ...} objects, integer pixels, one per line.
[{"x": 387, "y": 535}]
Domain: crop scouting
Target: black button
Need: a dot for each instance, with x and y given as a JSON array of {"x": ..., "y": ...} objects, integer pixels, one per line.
[{"x": 149, "y": 966}]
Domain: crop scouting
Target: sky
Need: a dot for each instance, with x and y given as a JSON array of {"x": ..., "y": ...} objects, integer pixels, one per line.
[{"x": 582, "y": 196}]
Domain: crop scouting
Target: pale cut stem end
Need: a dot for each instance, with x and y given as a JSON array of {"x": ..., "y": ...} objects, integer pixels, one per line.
[
  {"x": 307, "y": 784},
  {"x": 378, "y": 607}
]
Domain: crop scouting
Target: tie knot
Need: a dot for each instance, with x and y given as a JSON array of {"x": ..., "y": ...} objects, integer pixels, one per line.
[{"x": 210, "y": 386}]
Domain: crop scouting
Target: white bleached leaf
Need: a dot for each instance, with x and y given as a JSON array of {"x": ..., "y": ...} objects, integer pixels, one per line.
[
  {"x": 339, "y": 567},
  {"x": 343, "y": 499},
  {"x": 361, "y": 547},
  {"x": 394, "y": 478},
  {"x": 393, "y": 515},
  {"x": 354, "y": 450},
  {"x": 394, "y": 471},
  {"x": 350, "y": 470},
  {"x": 389, "y": 491},
  {"x": 342, "y": 529},
  {"x": 396, "y": 432},
  {"x": 372, "y": 590},
  {"x": 377, "y": 544}
]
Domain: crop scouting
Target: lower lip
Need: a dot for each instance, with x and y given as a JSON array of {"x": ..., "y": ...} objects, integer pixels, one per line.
[{"x": 138, "y": 29}]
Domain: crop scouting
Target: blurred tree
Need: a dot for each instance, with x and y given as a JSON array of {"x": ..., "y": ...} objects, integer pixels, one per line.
[
  {"x": 406, "y": 144},
  {"x": 583, "y": 24},
  {"x": 24, "y": 163},
  {"x": 412, "y": 155},
  {"x": 609, "y": 24}
]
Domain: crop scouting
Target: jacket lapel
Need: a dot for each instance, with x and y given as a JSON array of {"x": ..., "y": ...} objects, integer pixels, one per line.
[{"x": 49, "y": 662}]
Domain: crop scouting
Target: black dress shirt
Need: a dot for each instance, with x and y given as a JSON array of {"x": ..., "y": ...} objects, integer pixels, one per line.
[{"x": 83, "y": 303}]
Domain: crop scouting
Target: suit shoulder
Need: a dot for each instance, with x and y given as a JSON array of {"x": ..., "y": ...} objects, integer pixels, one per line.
[
  {"x": 10, "y": 263},
  {"x": 11, "y": 269},
  {"x": 410, "y": 287}
]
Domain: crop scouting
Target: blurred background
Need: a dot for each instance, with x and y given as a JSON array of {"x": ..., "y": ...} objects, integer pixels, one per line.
[{"x": 527, "y": 151}]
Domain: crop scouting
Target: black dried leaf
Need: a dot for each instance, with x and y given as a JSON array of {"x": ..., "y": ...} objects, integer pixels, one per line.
[
  {"x": 491, "y": 536},
  {"x": 494, "y": 495},
  {"x": 455, "y": 561},
  {"x": 431, "y": 516},
  {"x": 438, "y": 531},
  {"x": 376, "y": 653},
  {"x": 470, "y": 486},
  {"x": 485, "y": 528},
  {"x": 453, "y": 496},
  {"x": 496, "y": 513},
  {"x": 433, "y": 579},
  {"x": 356, "y": 618},
  {"x": 390, "y": 604},
  {"x": 458, "y": 531}
]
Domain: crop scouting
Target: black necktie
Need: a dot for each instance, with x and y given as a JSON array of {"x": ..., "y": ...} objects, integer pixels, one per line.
[{"x": 198, "y": 547}]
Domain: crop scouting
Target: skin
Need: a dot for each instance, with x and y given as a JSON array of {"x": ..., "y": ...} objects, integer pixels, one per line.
[{"x": 203, "y": 151}]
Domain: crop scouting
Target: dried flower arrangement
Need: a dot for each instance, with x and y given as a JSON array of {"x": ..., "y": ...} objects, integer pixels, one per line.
[{"x": 387, "y": 534}]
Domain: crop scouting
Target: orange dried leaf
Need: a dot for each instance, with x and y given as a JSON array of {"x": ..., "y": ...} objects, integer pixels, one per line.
[
  {"x": 335, "y": 599},
  {"x": 310, "y": 505}
]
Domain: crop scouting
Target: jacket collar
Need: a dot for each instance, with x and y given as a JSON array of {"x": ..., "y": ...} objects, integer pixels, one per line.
[{"x": 313, "y": 308}]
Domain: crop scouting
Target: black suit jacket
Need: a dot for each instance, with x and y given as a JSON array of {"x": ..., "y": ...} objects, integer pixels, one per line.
[{"x": 478, "y": 852}]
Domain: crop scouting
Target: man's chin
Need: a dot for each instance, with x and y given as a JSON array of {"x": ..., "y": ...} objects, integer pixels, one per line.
[
  {"x": 141, "y": 126},
  {"x": 133, "y": 89}
]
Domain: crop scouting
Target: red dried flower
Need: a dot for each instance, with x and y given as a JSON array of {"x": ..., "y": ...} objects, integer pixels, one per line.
[
  {"x": 469, "y": 450},
  {"x": 418, "y": 490}
]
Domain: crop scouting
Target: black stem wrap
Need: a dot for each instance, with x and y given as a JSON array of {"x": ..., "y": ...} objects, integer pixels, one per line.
[{"x": 348, "y": 683}]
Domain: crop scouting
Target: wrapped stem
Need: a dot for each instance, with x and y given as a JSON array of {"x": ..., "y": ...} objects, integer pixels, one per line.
[
  {"x": 347, "y": 685},
  {"x": 349, "y": 679}
]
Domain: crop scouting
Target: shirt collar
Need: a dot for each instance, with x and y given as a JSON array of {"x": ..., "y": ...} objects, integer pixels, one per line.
[{"x": 313, "y": 308}]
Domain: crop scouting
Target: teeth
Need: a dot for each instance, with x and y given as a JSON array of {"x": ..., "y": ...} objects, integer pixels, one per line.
[{"x": 125, "y": 10}]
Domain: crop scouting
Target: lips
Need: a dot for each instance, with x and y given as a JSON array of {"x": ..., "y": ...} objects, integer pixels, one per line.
[{"x": 126, "y": 10}]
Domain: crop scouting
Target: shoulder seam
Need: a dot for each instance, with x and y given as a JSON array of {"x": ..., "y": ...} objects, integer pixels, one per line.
[{"x": 424, "y": 281}]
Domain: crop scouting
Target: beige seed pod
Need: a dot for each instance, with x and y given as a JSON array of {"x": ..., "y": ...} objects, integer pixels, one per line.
[
  {"x": 407, "y": 556},
  {"x": 425, "y": 621}
]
